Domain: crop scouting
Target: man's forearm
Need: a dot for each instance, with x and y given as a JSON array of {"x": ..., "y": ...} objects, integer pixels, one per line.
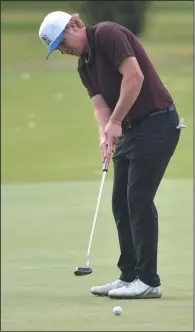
[
  {"x": 102, "y": 117},
  {"x": 129, "y": 92}
]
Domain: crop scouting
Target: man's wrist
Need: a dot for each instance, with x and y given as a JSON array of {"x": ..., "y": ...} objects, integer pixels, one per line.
[
  {"x": 101, "y": 131},
  {"x": 115, "y": 121}
]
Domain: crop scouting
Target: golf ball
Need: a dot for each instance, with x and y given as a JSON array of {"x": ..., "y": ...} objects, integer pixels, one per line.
[{"x": 117, "y": 311}]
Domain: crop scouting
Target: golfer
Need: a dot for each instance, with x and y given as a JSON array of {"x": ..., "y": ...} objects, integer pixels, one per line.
[{"x": 138, "y": 123}]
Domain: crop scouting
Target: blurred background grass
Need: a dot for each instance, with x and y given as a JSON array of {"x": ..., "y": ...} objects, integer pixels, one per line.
[{"x": 48, "y": 129}]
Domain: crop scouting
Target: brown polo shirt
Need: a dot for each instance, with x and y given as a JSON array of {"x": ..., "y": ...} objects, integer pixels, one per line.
[{"x": 109, "y": 45}]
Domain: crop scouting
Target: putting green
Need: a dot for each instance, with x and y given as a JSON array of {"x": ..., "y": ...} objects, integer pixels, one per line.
[{"x": 45, "y": 234}]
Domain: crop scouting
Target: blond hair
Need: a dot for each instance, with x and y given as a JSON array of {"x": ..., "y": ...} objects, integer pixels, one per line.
[{"x": 76, "y": 20}]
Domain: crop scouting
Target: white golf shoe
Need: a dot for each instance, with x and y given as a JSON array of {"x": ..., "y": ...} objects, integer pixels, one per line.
[
  {"x": 104, "y": 289},
  {"x": 135, "y": 290}
]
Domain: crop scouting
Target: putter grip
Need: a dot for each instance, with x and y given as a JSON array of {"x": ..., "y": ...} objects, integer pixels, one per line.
[{"x": 106, "y": 163}]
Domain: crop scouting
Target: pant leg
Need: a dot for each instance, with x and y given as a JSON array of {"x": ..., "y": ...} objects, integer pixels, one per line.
[
  {"x": 127, "y": 260},
  {"x": 150, "y": 152},
  {"x": 143, "y": 183}
]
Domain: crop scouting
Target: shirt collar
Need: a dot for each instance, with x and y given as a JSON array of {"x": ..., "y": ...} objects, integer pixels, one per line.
[{"x": 88, "y": 57}]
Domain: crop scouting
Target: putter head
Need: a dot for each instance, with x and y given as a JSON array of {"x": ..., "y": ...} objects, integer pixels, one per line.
[{"x": 82, "y": 271}]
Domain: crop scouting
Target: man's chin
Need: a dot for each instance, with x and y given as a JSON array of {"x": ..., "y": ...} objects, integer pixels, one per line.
[{"x": 77, "y": 54}]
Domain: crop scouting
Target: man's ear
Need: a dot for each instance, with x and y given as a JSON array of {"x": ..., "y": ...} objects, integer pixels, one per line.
[{"x": 71, "y": 25}]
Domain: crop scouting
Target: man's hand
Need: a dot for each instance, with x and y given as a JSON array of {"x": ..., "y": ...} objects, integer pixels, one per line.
[
  {"x": 112, "y": 131},
  {"x": 103, "y": 146}
]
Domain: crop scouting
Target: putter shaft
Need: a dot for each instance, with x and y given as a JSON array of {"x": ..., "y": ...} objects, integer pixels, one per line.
[{"x": 95, "y": 216}]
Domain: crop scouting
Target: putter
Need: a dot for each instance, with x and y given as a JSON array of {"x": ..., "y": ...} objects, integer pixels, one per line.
[{"x": 83, "y": 271}]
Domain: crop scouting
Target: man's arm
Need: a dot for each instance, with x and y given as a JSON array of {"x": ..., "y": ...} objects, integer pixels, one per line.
[
  {"x": 117, "y": 47},
  {"x": 101, "y": 112},
  {"x": 130, "y": 88},
  {"x": 102, "y": 115},
  {"x": 111, "y": 37}
]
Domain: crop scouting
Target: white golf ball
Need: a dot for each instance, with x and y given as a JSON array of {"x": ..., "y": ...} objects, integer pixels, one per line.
[{"x": 117, "y": 311}]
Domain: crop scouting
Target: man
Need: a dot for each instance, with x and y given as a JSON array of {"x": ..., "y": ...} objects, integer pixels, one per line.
[{"x": 137, "y": 119}]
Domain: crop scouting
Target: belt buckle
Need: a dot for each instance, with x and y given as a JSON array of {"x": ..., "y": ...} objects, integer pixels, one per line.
[
  {"x": 126, "y": 125},
  {"x": 171, "y": 108}
]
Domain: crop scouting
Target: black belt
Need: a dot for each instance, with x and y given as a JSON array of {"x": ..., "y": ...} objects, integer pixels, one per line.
[{"x": 138, "y": 120}]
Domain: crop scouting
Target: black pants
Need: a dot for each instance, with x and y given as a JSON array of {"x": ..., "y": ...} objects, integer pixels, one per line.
[{"x": 142, "y": 155}]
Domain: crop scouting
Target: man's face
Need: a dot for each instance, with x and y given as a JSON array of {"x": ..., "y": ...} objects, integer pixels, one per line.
[{"x": 73, "y": 41}]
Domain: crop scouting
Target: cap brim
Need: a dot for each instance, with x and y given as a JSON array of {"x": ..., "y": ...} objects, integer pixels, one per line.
[{"x": 55, "y": 44}]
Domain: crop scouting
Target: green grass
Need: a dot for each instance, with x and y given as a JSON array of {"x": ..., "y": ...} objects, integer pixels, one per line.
[{"x": 45, "y": 233}]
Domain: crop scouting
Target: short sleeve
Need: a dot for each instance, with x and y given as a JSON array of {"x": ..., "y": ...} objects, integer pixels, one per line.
[
  {"x": 92, "y": 91},
  {"x": 115, "y": 43}
]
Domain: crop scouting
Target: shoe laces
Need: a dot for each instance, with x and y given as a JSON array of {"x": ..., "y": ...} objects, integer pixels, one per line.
[
  {"x": 134, "y": 283},
  {"x": 113, "y": 282},
  {"x": 117, "y": 282}
]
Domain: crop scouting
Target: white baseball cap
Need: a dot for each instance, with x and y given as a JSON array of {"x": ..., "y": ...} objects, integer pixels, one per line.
[{"x": 52, "y": 29}]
